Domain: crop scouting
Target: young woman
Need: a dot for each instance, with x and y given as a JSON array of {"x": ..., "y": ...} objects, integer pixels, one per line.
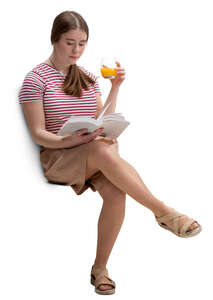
[{"x": 53, "y": 91}]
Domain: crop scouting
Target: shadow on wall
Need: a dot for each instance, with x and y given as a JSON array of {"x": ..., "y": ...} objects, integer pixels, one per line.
[{"x": 34, "y": 149}]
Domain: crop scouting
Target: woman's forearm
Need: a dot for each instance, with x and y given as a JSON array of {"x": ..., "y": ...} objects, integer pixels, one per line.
[
  {"x": 48, "y": 139},
  {"x": 112, "y": 97},
  {"x": 113, "y": 94}
]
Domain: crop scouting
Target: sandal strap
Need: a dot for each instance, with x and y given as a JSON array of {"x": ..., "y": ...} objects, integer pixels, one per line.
[
  {"x": 105, "y": 280},
  {"x": 171, "y": 217},
  {"x": 102, "y": 277},
  {"x": 175, "y": 218}
]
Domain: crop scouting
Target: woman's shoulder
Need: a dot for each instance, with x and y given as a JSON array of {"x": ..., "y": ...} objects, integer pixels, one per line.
[{"x": 39, "y": 71}]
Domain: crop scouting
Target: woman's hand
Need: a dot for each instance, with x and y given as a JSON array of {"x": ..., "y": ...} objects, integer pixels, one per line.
[
  {"x": 80, "y": 137},
  {"x": 120, "y": 77}
]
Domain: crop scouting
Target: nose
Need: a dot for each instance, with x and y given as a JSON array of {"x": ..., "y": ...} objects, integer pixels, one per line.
[{"x": 76, "y": 49}]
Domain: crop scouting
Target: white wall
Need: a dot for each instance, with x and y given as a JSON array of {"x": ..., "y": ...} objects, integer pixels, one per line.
[{"x": 48, "y": 233}]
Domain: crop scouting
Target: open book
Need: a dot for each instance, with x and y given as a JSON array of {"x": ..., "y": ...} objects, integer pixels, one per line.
[{"x": 114, "y": 124}]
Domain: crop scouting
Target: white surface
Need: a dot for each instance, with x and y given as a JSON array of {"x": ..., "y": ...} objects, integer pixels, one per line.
[{"x": 48, "y": 233}]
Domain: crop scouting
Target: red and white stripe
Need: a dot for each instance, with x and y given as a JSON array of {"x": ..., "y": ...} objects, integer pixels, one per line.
[{"x": 43, "y": 83}]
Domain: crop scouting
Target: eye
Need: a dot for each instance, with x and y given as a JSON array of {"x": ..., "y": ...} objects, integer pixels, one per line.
[{"x": 70, "y": 44}]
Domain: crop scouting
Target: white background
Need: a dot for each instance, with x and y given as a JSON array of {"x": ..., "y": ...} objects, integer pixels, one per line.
[{"x": 48, "y": 233}]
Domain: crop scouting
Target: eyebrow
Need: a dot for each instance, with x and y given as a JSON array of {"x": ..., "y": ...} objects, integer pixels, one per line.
[{"x": 74, "y": 40}]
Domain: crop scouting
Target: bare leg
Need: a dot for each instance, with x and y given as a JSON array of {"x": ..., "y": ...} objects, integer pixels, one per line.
[
  {"x": 126, "y": 178},
  {"x": 109, "y": 223}
]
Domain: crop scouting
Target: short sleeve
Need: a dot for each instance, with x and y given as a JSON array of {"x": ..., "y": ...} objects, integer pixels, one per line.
[{"x": 32, "y": 89}]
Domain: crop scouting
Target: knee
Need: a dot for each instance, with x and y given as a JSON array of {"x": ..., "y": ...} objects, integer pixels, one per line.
[{"x": 105, "y": 152}]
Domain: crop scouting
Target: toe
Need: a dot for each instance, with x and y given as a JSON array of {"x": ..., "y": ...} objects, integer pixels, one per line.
[
  {"x": 193, "y": 226},
  {"x": 104, "y": 287}
]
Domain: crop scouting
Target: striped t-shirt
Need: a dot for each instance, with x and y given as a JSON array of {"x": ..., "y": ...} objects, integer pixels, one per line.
[{"x": 43, "y": 83}]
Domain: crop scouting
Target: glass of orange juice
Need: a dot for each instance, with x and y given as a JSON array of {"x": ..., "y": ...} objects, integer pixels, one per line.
[{"x": 108, "y": 67}]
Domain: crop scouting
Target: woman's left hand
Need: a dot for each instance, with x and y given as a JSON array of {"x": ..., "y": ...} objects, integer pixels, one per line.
[{"x": 120, "y": 77}]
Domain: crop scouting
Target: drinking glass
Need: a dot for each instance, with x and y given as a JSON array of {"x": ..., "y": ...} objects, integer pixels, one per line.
[{"x": 108, "y": 67}]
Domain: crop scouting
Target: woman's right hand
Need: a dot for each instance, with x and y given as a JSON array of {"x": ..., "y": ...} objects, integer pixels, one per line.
[{"x": 80, "y": 137}]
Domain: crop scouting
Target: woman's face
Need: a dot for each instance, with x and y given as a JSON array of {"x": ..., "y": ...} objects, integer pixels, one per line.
[{"x": 71, "y": 46}]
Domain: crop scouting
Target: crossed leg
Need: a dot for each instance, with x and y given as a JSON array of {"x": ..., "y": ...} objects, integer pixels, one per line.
[
  {"x": 104, "y": 156},
  {"x": 121, "y": 179}
]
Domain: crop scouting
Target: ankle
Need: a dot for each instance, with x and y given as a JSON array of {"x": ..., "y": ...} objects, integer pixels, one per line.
[
  {"x": 163, "y": 210},
  {"x": 97, "y": 265}
]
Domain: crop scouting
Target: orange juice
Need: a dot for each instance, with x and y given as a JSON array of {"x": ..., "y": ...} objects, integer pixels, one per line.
[{"x": 108, "y": 72}]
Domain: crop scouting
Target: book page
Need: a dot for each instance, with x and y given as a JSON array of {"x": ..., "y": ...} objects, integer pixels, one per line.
[{"x": 114, "y": 128}]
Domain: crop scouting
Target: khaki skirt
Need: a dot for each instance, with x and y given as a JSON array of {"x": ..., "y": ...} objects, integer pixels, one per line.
[{"x": 68, "y": 167}]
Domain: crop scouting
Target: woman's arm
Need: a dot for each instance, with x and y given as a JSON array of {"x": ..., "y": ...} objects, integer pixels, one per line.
[
  {"x": 34, "y": 114},
  {"x": 113, "y": 94},
  {"x": 112, "y": 97}
]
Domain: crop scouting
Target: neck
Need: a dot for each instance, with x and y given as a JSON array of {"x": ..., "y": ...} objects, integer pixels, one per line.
[{"x": 55, "y": 62}]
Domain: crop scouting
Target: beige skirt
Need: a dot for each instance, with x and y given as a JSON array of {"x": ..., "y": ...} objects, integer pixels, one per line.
[{"x": 68, "y": 167}]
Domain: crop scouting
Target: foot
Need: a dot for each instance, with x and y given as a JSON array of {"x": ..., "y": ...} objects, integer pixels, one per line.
[
  {"x": 104, "y": 287},
  {"x": 182, "y": 219}
]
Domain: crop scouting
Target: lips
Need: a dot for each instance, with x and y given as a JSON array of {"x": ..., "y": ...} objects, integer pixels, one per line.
[{"x": 74, "y": 57}]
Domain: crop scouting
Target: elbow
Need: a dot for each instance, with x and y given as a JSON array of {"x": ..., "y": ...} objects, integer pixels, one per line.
[
  {"x": 36, "y": 135},
  {"x": 36, "y": 140}
]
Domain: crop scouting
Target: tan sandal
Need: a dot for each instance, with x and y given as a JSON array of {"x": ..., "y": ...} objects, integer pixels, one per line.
[
  {"x": 184, "y": 230},
  {"x": 99, "y": 277}
]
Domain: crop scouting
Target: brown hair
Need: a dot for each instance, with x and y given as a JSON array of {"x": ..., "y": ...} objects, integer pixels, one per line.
[{"x": 76, "y": 80}]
